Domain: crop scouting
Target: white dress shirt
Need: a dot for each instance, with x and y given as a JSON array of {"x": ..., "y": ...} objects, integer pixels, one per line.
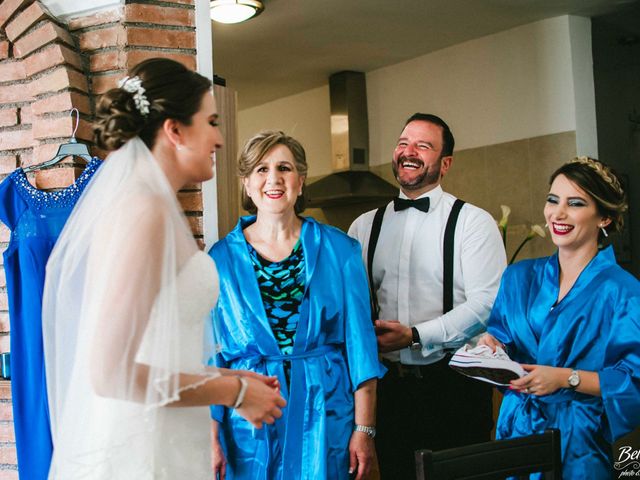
[{"x": 408, "y": 272}]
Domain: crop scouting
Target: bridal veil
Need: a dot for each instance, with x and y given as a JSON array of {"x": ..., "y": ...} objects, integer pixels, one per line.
[{"x": 116, "y": 347}]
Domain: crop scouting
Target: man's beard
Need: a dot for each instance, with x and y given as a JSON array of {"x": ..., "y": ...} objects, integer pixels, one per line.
[{"x": 430, "y": 176}]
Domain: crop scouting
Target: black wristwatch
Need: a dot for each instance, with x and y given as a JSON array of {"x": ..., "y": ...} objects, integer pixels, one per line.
[{"x": 415, "y": 340}]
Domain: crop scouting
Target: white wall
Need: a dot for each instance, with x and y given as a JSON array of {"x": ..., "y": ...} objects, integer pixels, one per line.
[
  {"x": 584, "y": 90},
  {"x": 204, "y": 57},
  {"x": 65, "y": 9},
  {"x": 511, "y": 85},
  {"x": 304, "y": 116},
  {"x": 507, "y": 86}
]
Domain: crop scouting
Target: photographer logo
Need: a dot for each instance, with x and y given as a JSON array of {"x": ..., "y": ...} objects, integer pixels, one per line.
[{"x": 628, "y": 462}]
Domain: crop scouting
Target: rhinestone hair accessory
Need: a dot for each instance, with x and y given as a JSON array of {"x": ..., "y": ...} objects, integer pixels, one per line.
[{"x": 134, "y": 85}]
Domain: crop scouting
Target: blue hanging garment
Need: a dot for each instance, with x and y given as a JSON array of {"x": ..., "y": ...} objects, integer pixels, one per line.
[{"x": 35, "y": 219}]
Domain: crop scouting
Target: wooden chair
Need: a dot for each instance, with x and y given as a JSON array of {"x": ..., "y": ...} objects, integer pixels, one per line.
[{"x": 494, "y": 460}]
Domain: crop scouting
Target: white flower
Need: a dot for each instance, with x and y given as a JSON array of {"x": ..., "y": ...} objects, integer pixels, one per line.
[
  {"x": 134, "y": 85},
  {"x": 538, "y": 230},
  {"x": 506, "y": 211}
]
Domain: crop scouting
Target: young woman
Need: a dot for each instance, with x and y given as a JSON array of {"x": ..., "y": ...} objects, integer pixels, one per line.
[
  {"x": 573, "y": 321},
  {"x": 127, "y": 292},
  {"x": 294, "y": 303}
]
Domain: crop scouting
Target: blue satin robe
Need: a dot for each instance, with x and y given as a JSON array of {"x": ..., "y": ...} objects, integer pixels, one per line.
[
  {"x": 334, "y": 352},
  {"x": 596, "y": 327}
]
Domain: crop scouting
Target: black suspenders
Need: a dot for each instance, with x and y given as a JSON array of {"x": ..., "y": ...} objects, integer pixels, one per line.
[
  {"x": 447, "y": 254},
  {"x": 371, "y": 250}
]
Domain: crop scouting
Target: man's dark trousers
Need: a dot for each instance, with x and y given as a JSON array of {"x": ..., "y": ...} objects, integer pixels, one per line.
[{"x": 430, "y": 407}]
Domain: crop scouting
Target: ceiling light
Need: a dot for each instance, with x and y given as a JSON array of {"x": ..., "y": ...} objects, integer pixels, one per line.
[{"x": 234, "y": 11}]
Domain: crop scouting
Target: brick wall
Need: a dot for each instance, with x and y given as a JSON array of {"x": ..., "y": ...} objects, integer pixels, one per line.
[
  {"x": 113, "y": 41},
  {"x": 48, "y": 67}
]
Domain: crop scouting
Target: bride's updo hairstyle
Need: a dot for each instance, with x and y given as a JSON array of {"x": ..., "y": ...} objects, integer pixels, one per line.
[{"x": 155, "y": 90}]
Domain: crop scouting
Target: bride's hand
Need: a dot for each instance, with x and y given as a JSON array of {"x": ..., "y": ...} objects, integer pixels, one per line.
[
  {"x": 262, "y": 403},
  {"x": 269, "y": 381}
]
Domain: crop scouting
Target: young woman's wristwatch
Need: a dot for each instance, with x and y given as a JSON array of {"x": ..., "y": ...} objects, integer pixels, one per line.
[
  {"x": 370, "y": 431},
  {"x": 574, "y": 380}
]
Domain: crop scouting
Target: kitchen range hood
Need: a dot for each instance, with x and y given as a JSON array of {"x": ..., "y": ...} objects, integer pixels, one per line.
[{"x": 352, "y": 181}]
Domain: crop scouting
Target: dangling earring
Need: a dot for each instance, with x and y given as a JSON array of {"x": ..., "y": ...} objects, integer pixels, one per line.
[
  {"x": 604, "y": 231},
  {"x": 546, "y": 225}
]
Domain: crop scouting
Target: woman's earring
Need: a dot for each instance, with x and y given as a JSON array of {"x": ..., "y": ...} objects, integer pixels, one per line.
[
  {"x": 604, "y": 231},
  {"x": 546, "y": 225}
]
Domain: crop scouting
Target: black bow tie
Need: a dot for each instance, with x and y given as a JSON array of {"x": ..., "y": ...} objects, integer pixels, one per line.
[{"x": 404, "y": 203}]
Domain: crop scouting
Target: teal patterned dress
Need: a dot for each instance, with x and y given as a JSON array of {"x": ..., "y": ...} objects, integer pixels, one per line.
[{"x": 281, "y": 288}]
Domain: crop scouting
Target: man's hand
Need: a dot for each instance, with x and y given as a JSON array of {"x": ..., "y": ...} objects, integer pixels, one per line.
[{"x": 392, "y": 335}]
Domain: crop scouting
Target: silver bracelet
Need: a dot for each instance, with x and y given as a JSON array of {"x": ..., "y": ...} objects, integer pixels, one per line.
[
  {"x": 243, "y": 390},
  {"x": 368, "y": 430}
]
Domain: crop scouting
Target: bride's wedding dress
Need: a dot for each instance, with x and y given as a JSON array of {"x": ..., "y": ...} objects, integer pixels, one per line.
[{"x": 126, "y": 327}]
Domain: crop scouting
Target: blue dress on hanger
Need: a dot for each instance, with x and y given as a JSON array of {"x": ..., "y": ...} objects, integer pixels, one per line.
[
  {"x": 35, "y": 219},
  {"x": 595, "y": 327}
]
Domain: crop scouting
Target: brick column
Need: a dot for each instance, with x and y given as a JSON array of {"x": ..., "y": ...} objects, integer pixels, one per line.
[
  {"x": 48, "y": 67},
  {"x": 114, "y": 41}
]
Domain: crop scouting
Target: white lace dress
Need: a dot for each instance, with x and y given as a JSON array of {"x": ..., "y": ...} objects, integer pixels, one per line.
[
  {"x": 176, "y": 444},
  {"x": 126, "y": 301},
  {"x": 183, "y": 442}
]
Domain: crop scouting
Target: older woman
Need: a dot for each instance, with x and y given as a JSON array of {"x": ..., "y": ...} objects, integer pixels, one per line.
[
  {"x": 294, "y": 303},
  {"x": 573, "y": 321}
]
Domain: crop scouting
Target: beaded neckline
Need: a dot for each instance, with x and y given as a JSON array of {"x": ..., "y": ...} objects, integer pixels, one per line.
[{"x": 66, "y": 197}]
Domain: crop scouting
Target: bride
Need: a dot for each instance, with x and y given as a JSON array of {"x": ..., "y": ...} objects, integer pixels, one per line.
[{"x": 127, "y": 293}]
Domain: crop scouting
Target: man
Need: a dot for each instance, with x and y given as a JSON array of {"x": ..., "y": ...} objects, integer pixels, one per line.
[{"x": 422, "y": 317}]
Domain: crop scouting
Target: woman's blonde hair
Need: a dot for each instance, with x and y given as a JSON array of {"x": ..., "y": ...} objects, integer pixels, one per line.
[{"x": 257, "y": 148}]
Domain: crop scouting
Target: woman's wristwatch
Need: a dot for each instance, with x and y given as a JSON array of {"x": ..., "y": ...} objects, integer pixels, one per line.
[
  {"x": 574, "y": 380},
  {"x": 370, "y": 431}
]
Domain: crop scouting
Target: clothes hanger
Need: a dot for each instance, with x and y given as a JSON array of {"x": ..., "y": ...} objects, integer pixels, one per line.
[{"x": 70, "y": 149}]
